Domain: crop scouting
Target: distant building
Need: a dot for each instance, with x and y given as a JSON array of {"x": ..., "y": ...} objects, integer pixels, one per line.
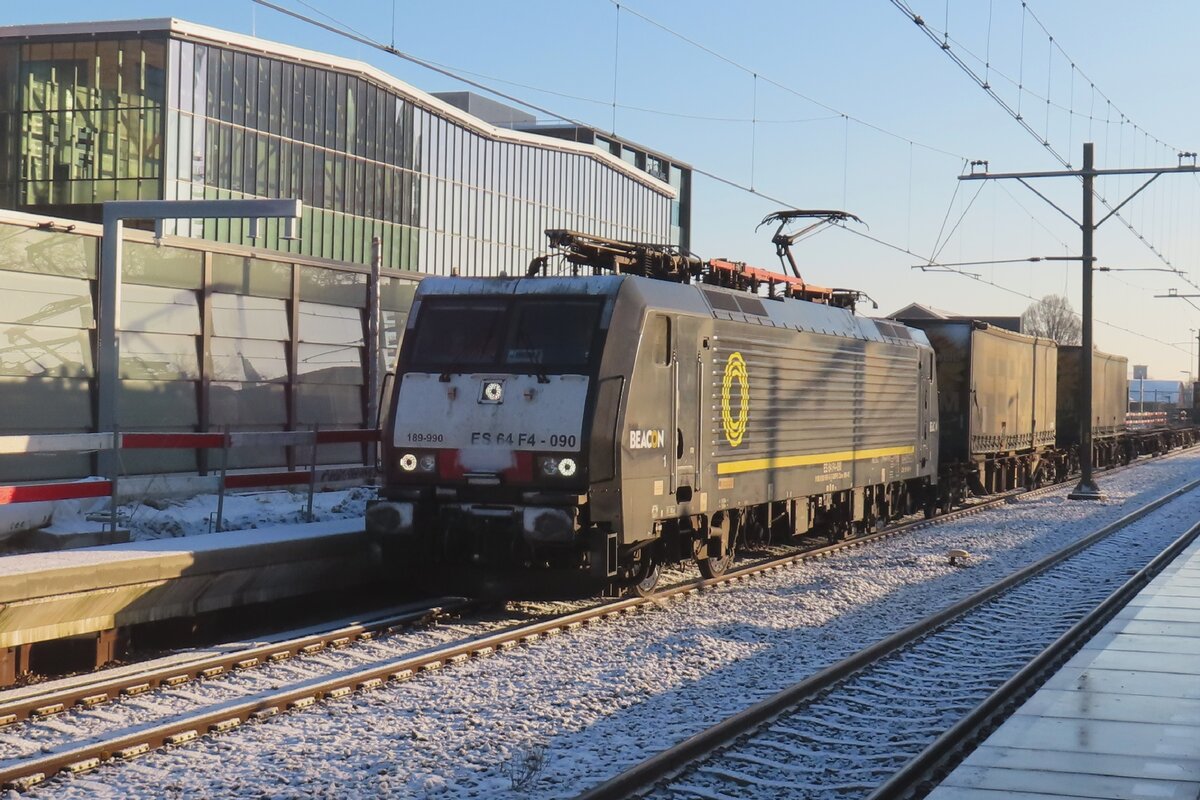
[
  {"x": 1157, "y": 393},
  {"x": 658, "y": 165},
  {"x": 161, "y": 108},
  {"x": 919, "y": 311}
]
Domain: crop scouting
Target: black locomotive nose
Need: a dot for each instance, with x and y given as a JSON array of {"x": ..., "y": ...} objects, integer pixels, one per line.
[
  {"x": 388, "y": 519},
  {"x": 383, "y": 517}
]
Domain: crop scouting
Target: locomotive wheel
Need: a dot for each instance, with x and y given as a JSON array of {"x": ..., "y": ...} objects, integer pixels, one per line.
[
  {"x": 714, "y": 567},
  {"x": 648, "y": 576},
  {"x": 755, "y": 534}
]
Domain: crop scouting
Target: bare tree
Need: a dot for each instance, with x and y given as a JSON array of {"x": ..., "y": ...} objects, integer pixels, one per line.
[{"x": 1053, "y": 318}]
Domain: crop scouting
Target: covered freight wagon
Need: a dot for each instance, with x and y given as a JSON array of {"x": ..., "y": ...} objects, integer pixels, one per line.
[
  {"x": 1109, "y": 402},
  {"x": 1109, "y": 394},
  {"x": 996, "y": 401}
]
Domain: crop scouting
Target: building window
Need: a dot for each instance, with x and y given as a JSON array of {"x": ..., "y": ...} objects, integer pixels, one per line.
[{"x": 89, "y": 121}]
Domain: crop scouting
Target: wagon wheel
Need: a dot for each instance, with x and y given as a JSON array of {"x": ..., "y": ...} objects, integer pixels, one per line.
[
  {"x": 715, "y": 567},
  {"x": 838, "y": 531}
]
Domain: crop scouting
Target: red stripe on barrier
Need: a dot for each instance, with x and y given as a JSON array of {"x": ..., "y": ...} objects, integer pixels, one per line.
[
  {"x": 259, "y": 480},
  {"x": 140, "y": 441},
  {"x": 41, "y": 492},
  {"x": 357, "y": 435}
]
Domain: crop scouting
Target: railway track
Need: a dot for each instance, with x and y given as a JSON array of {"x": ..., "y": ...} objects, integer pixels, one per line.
[
  {"x": 89, "y": 693},
  {"x": 302, "y": 691},
  {"x": 890, "y": 719}
]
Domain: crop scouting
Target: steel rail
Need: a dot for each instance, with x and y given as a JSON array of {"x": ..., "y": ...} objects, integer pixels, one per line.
[
  {"x": 666, "y": 762},
  {"x": 944, "y": 753},
  {"x": 91, "y": 693},
  {"x": 26, "y": 773}
]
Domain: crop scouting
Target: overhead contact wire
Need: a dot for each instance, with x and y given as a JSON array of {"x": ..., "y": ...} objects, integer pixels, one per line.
[
  {"x": 350, "y": 33},
  {"x": 952, "y": 53}
]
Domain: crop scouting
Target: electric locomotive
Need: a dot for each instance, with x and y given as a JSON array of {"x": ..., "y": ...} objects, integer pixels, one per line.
[{"x": 569, "y": 434}]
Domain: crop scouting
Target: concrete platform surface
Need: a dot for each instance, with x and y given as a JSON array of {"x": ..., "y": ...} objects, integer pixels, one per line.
[
  {"x": 1120, "y": 720},
  {"x": 54, "y": 595}
]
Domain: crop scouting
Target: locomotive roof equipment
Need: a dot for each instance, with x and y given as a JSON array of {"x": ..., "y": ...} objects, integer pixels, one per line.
[{"x": 672, "y": 263}]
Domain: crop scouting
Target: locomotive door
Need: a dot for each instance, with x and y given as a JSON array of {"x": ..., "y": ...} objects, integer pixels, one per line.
[{"x": 685, "y": 380}]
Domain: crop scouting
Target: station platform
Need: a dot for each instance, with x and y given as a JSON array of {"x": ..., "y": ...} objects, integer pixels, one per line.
[
  {"x": 99, "y": 590},
  {"x": 1121, "y": 719}
]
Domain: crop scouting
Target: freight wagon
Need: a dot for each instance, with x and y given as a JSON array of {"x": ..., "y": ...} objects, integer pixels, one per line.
[
  {"x": 997, "y": 393},
  {"x": 1110, "y": 402}
]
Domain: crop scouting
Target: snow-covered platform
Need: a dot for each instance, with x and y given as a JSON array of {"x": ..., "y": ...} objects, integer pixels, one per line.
[
  {"x": 46, "y": 596},
  {"x": 1120, "y": 720}
]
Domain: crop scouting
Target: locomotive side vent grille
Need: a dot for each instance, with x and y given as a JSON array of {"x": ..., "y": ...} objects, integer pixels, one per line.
[
  {"x": 750, "y": 305},
  {"x": 721, "y": 301}
]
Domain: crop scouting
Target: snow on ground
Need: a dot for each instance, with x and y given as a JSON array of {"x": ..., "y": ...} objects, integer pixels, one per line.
[
  {"x": 575, "y": 709},
  {"x": 162, "y": 518},
  {"x": 159, "y": 519}
]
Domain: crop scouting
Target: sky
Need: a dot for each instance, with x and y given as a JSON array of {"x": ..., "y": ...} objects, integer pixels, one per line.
[{"x": 846, "y": 105}]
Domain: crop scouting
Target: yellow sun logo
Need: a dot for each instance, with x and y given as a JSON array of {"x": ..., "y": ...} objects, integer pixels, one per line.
[{"x": 735, "y": 372}]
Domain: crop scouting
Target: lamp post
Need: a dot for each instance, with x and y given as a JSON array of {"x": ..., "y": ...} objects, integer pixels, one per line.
[{"x": 1197, "y": 332}]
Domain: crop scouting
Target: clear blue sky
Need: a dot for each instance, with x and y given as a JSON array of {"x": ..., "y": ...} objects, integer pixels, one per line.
[{"x": 863, "y": 58}]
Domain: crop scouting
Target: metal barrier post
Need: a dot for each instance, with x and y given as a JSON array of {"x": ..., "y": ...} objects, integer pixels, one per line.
[
  {"x": 114, "y": 468},
  {"x": 312, "y": 474},
  {"x": 221, "y": 482},
  {"x": 374, "y": 344}
]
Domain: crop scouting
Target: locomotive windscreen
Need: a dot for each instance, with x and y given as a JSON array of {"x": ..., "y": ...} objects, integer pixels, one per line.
[
  {"x": 459, "y": 333},
  {"x": 540, "y": 334}
]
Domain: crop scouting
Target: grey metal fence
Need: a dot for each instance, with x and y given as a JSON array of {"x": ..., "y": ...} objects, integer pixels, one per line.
[{"x": 212, "y": 337}]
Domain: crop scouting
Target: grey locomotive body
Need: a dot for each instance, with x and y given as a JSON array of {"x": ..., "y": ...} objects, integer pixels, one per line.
[{"x": 550, "y": 432}]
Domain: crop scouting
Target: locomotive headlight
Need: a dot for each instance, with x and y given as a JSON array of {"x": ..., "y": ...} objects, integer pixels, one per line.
[
  {"x": 493, "y": 391},
  {"x": 554, "y": 467},
  {"x": 428, "y": 462},
  {"x": 408, "y": 462}
]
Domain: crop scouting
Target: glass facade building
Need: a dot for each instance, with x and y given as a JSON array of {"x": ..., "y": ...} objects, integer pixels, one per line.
[
  {"x": 169, "y": 109},
  {"x": 660, "y": 166}
]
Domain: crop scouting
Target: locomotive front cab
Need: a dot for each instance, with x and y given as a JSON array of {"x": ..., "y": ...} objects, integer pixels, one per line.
[{"x": 485, "y": 462}]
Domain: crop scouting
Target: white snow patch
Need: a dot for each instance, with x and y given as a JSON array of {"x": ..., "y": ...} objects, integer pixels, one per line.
[{"x": 197, "y": 515}]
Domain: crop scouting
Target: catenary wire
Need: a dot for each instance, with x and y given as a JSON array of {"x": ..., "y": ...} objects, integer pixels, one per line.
[
  {"x": 366, "y": 40},
  {"x": 952, "y": 53}
]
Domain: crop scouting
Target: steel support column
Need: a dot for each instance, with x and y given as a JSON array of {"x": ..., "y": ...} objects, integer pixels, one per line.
[{"x": 1087, "y": 488}]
